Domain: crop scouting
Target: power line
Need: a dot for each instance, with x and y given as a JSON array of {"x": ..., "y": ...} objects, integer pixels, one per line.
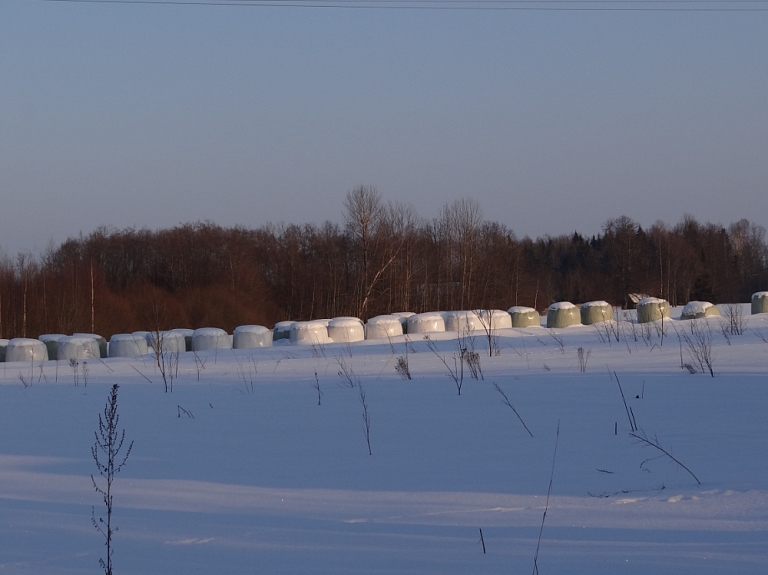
[{"x": 496, "y": 5}]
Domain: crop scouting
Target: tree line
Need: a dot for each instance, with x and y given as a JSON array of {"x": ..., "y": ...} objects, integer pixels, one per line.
[{"x": 382, "y": 258}]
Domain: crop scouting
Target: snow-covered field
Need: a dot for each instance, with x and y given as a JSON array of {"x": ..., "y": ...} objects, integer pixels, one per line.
[{"x": 239, "y": 470}]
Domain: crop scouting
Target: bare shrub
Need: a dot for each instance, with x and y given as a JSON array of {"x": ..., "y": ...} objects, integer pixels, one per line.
[
  {"x": 401, "y": 367},
  {"x": 316, "y": 385},
  {"x": 472, "y": 359},
  {"x": 558, "y": 340},
  {"x": 109, "y": 462},
  {"x": 491, "y": 334},
  {"x": 583, "y": 359},
  {"x": 699, "y": 346},
  {"x": 505, "y": 401},
  {"x": 346, "y": 374},
  {"x": 733, "y": 322},
  {"x": 457, "y": 372},
  {"x": 366, "y": 417},
  {"x": 641, "y": 437}
]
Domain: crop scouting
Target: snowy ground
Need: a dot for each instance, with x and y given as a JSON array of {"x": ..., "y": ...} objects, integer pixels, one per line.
[{"x": 262, "y": 479}]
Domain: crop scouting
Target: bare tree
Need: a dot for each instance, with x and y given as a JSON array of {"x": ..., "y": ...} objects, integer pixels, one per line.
[{"x": 369, "y": 224}]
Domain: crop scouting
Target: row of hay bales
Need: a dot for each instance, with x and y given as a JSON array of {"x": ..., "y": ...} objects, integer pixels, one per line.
[
  {"x": 93, "y": 346},
  {"x": 339, "y": 330}
]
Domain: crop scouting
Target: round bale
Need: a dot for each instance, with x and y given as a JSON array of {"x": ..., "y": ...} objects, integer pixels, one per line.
[
  {"x": 383, "y": 327},
  {"x": 346, "y": 329},
  {"x": 282, "y": 330},
  {"x": 309, "y": 333},
  {"x": 596, "y": 312},
  {"x": 170, "y": 342},
  {"x": 205, "y": 338},
  {"x": 99, "y": 339},
  {"x": 51, "y": 341},
  {"x": 78, "y": 347},
  {"x": 699, "y": 309},
  {"x": 760, "y": 302},
  {"x": 187, "y": 333},
  {"x": 26, "y": 349},
  {"x": 251, "y": 336},
  {"x": 522, "y": 316},
  {"x": 651, "y": 309},
  {"x": 495, "y": 319},
  {"x": 127, "y": 345},
  {"x": 563, "y": 314},
  {"x": 403, "y": 316},
  {"x": 426, "y": 323},
  {"x": 461, "y": 321}
]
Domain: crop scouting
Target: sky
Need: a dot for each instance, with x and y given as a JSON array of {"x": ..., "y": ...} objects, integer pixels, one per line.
[{"x": 555, "y": 121}]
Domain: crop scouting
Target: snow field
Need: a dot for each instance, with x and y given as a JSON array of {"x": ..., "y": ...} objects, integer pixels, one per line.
[{"x": 262, "y": 478}]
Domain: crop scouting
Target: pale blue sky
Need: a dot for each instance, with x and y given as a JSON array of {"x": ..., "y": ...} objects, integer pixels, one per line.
[{"x": 135, "y": 115}]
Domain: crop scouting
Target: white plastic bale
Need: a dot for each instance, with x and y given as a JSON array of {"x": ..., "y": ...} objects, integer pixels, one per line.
[
  {"x": 26, "y": 349},
  {"x": 698, "y": 309},
  {"x": 346, "y": 330},
  {"x": 495, "y": 319},
  {"x": 426, "y": 323},
  {"x": 522, "y": 316},
  {"x": 309, "y": 333},
  {"x": 383, "y": 327},
  {"x": 251, "y": 336},
  {"x": 51, "y": 341},
  {"x": 170, "y": 342},
  {"x": 127, "y": 345},
  {"x": 563, "y": 314},
  {"x": 403, "y": 316},
  {"x": 760, "y": 302},
  {"x": 596, "y": 312},
  {"x": 99, "y": 339},
  {"x": 187, "y": 333},
  {"x": 282, "y": 330},
  {"x": 78, "y": 347},
  {"x": 651, "y": 308},
  {"x": 3, "y": 348},
  {"x": 461, "y": 321},
  {"x": 205, "y": 338},
  {"x": 142, "y": 334}
]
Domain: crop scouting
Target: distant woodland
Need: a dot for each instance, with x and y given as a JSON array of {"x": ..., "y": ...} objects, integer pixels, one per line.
[{"x": 382, "y": 258}]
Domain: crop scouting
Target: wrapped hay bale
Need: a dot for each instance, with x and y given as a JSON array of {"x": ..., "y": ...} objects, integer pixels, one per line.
[
  {"x": 383, "y": 327},
  {"x": 127, "y": 345},
  {"x": 346, "y": 329},
  {"x": 495, "y": 318},
  {"x": 78, "y": 347},
  {"x": 461, "y": 321},
  {"x": 51, "y": 341},
  {"x": 99, "y": 339},
  {"x": 651, "y": 309},
  {"x": 169, "y": 342},
  {"x": 760, "y": 302},
  {"x": 403, "y": 317},
  {"x": 426, "y": 323},
  {"x": 143, "y": 334},
  {"x": 3, "y": 348},
  {"x": 187, "y": 333},
  {"x": 25, "y": 349},
  {"x": 522, "y": 316},
  {"x": 251, "y": 336},
  {"x": 563, "y": 314},
  {"x": 282, "y": 330},
  {"x": 596, "y": 312},
  {"x": 309, "y": 333},
  {"x": 205, "y": 338},
  {"x": 698, "y": 309}
]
